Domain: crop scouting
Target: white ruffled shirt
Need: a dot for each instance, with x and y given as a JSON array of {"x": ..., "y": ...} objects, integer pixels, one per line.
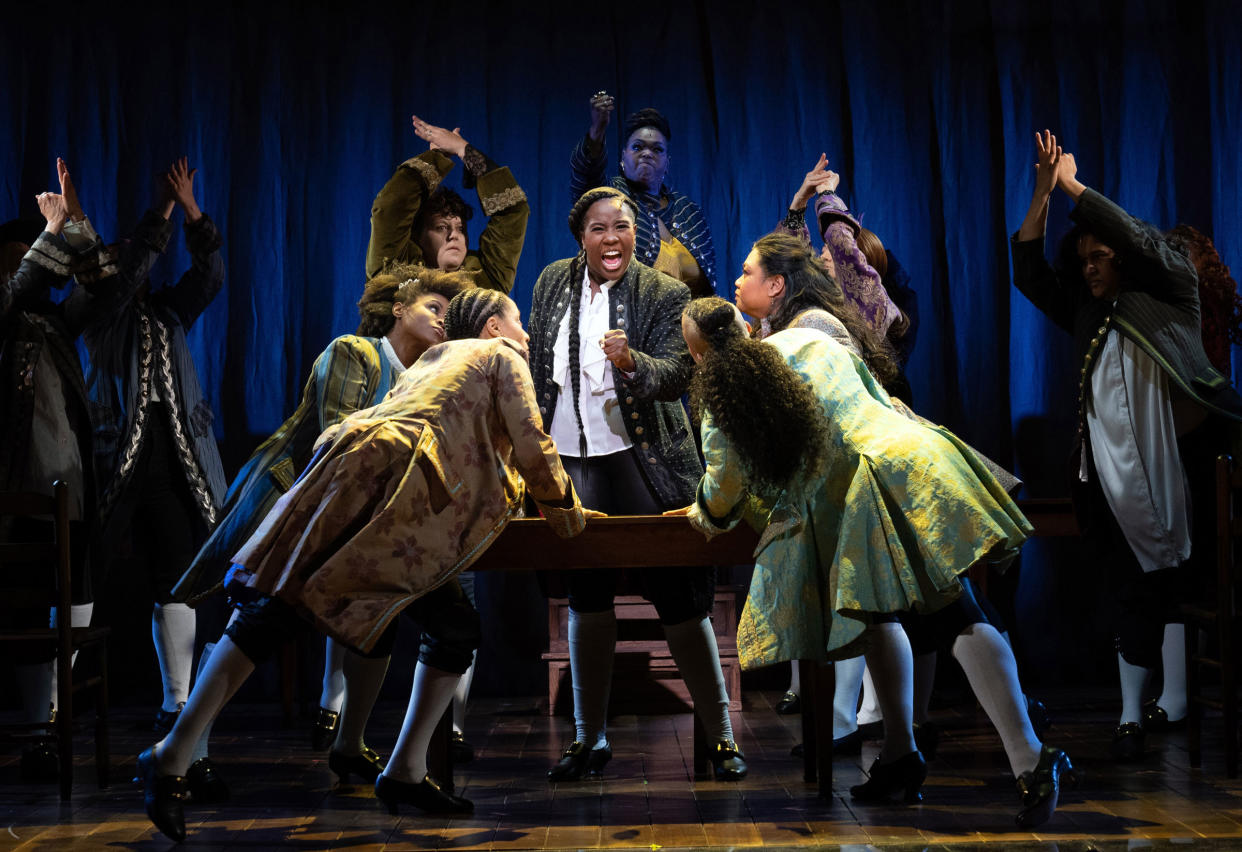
[{"x": 602, "y": 422}]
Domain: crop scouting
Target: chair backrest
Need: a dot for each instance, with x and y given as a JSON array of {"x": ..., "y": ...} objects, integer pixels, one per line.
[
  {"x": 1228, "y": 532},
  {"x": 19, "y": 592}
]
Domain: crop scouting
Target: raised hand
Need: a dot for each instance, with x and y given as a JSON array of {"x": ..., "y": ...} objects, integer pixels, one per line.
[
  {"x": 1049, "y": 164},
  {"x": 602, "y": 105},
  {"x": 179, "y": 184},
  {"x": 439, "y": 138},
  {"x": 818, "y": 179},
  {"x": 69, "y": 191},
  {"x": 54, "y": 209}
]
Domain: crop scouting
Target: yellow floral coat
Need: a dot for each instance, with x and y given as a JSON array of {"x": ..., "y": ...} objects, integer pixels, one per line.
[{"x": 406, "y": 494}]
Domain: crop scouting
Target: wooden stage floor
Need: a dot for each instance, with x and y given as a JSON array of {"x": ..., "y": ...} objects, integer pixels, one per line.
[{"x": 285, "y": 797}]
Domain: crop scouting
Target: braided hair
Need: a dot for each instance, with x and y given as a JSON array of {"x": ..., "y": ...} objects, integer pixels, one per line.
[
  {"x": 734, "y": 374},
  {"x": 577, "y": 215},
  {"x": 405, "y": 283},
  {"x": 647, "y": 117},
  {"x": 808, "y": 285},
  {"x": 470, "y": 310}
]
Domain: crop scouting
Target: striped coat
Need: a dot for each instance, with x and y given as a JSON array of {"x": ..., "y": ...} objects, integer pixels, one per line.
[{"x": 683, "y": 218}]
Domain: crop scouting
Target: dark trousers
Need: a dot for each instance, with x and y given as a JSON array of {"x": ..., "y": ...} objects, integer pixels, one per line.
[
  {"x": 451, "y": 629},
  {"x": 613, "y": 484}
]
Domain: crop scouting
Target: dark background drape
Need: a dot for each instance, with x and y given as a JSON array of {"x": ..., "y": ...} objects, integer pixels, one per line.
[{"x": 296, "y": 115}]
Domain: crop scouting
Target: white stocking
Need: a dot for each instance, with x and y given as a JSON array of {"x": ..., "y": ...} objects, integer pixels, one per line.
[
  {"x": 1133, "y": 682},
  {"x": 460, "y": 697},
  {"x": 227, "y": 669},
  {"x": 332, "y": 694},
  {"x": 845, "y": 697},
  {"x": 693, "y": 646},
  {"x": 993, "y": 675},
  {"x": 429, "y": 698},
  {"x": 172, "y": 629},
  {"x": 892, "y": 669},
  {"x": 363, "y": 678},
  {"x": 1173, "y": 657},
  {"x": 592, "y": 646}
]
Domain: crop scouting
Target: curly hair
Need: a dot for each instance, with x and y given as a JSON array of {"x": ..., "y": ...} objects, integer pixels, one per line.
[
  {"x": 470, "y": 310},
  {"x": 404, "y": 283},
  {"x": 753, "y": 397},
  {"x": 648, "y": 117},
  {"x": 1220, "y": 306},
  {"x": 808, "y": 285},
  {"x": 442, "y": 202}
]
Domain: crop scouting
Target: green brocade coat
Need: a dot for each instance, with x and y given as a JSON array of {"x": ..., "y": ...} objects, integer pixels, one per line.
[{"x": 883, "y": 522}]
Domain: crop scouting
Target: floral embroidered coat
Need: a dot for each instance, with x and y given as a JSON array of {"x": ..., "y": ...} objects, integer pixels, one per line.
[
  {"x": 883, "y": 522},
  {"x": 406, "y": 494}
]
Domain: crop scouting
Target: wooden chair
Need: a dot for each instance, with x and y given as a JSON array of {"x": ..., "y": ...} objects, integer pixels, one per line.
[
  {"x": 50, "y": 561},
  {"x": 1220, "y": 619}
]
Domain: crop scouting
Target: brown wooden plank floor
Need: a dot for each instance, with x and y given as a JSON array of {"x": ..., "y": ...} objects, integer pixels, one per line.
[{"x": 285, "y": 796}]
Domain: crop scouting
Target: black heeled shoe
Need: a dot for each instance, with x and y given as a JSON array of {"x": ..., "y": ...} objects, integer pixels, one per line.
[
  {"x": 323, "y": 732},
  {"x": 426, "y": 795},
  {"x": 204, "y": 782},
  {"x": 1041, "y": 787},
  {"x": 164, "y": 796},
  {"x": 789, "y": 704},
  {"x": 1127, "y": 744},
  {"x": 460, "y": 750},
  {"x": 578, "y": 760},
  {"x": 851, "y": 743},
  {"x": 368, "y": 765},
  {"x": 728, "y": 762},
  {"x": 1156, "y": 719},
  {"x": 927, "y": 739},
  {"x": 165, "y": 719},
  {"x": 906, "y": 774}
]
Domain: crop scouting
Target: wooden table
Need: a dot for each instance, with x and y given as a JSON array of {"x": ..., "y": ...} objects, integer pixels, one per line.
[{"x": 653, "y": 541}]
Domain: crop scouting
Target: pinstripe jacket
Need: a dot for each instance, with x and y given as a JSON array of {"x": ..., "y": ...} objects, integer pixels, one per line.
[
  {"x": 647, "y": 304},
  {"x": 351, "y": 374},
  {"x": 683, "y": 218},
  {"x": 1158, "y": 307}
]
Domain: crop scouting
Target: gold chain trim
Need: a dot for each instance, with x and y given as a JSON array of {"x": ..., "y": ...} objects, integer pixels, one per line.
[{"x": 427, "y": 171}]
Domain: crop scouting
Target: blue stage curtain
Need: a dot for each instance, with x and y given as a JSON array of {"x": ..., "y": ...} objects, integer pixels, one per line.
[{"x": 295, "y": 116}]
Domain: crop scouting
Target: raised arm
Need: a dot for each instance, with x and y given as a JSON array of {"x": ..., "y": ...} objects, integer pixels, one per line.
[
  {"x": 859, "y": 281},
  {"x": 397, "y": 205},
  {"x": 586, "y": 161},
  {"x": 507, "y": 210},
  {"x": 191, "y": 295},
  {"x": 1032, "y": 274},
  {"x": 1153, "y": 264},
  {"x": 1047, "y": 168}
]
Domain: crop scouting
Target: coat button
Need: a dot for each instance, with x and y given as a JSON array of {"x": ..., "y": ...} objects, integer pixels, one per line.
[
  {"x": 638, "y": 430},
  {"x": 547, "y": 395},
  {"x": 1102, "y": 329},
  {"x": 629, "y": 400},
  {"x": 621, "y": 323},
  {"x": 645, "y": 445},
  {"x": 651, "y": 459},
  {"x": 634, "y": 415},
  {"x": 620, "y": 309},
  {"x": 543, "y": 410}
]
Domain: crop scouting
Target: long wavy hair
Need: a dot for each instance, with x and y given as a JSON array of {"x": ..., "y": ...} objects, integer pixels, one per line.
[
  {"x": 470, "y": 310},
  {"x": 577, "y": 214},
  {"x": 1220, "y": 306},
  {"x": 808, "y": 285},
  {"x": 762, "y": 406},
  {"x": 404, "y": 283}
]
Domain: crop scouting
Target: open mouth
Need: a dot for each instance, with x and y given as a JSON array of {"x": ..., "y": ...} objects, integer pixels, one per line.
[{"x": 611, "y": 260}]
